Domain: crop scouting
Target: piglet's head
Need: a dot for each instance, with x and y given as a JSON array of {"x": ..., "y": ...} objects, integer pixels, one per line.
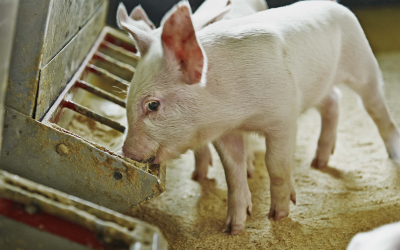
[{"x": 163, "y": 105}]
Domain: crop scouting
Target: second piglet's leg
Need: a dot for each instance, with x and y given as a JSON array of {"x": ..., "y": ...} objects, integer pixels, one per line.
[
  {"x": 202, "y": 157},
  {"x": 329, "y": 110},
  {"x": 231, "y": 151},
  {"x": 278, "y": 159},
  {"x": 249, "y": 154}
]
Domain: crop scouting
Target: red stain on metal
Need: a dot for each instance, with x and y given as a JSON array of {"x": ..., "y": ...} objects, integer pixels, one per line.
[
  {"x": 98, "y": 56},
  {"x": 80, "y": 84},
  {"x": 93, "y": 69},
  {"x": 69, "y": 105},
  {"x": 50, "y": 223}
]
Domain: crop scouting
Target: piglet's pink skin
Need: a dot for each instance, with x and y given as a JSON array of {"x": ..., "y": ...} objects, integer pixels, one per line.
[{"x": 256, "y": 73}]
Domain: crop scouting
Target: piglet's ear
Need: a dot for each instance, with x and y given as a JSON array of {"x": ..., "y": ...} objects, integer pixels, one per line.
[
  {"x": 142, "y": 40},
  {"x": 138, "y": 14},
  {"x": 181, "y": 47}
]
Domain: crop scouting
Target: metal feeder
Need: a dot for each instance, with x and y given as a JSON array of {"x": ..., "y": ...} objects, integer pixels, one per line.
[
  {"x": 33, "y": 216},
  {"x": 54, "y": 63}
]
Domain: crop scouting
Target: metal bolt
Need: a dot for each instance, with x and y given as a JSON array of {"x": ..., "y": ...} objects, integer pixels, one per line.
[
  {"x": 118, "y": 175},
  {"x": 31, "y": 209},
  {"x": 62, "y": 149},
  {"x": 5, "y": 126}
]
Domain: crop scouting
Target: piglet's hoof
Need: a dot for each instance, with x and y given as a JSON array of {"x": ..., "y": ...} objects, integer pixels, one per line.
[
  {"x": 318, "y": 164},
  {"x": 198, "y": 176},
  {"x": 277, "y": 215},
  {"x": 250, "y": 172},
  {"x": 279, "y": 211},
  {"x": 235, "y": 223}
]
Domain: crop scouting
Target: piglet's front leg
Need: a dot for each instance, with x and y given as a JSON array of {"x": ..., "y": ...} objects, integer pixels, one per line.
[
  {"x": 278, "y": 158},
  {"x": 203, "y": 159},
  {"x": 231, "y": 151}
]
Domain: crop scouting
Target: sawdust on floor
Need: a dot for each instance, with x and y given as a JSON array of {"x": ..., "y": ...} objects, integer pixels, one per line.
[{"x": 357, "y": 192}]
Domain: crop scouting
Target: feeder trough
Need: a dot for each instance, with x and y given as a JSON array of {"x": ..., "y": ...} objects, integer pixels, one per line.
[{"x": 58, "y": 60}]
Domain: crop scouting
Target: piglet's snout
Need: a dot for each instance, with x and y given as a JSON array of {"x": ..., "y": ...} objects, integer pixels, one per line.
[
  {"x": 140, "y": 149},
  {"x": 131, "y": 155},
  {"x": 137, "y": 158}
]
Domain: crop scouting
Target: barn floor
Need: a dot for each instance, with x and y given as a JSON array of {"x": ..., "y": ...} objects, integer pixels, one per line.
[{"x": 358, "y": 191}]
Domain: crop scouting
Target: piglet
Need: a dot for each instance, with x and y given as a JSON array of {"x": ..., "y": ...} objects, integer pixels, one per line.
[
  {"x": 251, "y": 74},
  {"x": 210, "y": 11},
  {"x": 386, "y": 237}
]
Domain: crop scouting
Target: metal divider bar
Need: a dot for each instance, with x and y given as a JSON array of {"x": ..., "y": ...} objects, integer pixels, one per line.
[
  {"x": 99, "y": 92},
  {"x": 104, "y": 73},
  {"x": 99, "y": 55},
  {"x": 90, "y": 114},
  {"x": 119, "y": 50}
]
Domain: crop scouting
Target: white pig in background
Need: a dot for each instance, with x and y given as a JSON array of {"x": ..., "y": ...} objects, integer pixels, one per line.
[
  {"x": 256, "y": 73},
  {"x": 209, "y": 11},
  {"x": 386, "y": 237}
]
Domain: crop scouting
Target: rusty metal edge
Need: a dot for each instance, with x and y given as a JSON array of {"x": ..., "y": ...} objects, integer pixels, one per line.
[{"x": 76, "y": 173}]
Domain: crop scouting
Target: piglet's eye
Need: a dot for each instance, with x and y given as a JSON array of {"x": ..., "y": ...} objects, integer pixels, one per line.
[{"x": 152, "y": 106}]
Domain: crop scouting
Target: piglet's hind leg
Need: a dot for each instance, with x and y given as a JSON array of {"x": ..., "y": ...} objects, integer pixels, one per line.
[
  {"x": 374, "y": 103},
  {"x": 278, "y": 158},
  {"x": 329, "y": 110}
]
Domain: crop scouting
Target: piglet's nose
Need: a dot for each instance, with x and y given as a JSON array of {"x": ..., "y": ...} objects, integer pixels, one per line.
[{"x": 129, "y": 155}]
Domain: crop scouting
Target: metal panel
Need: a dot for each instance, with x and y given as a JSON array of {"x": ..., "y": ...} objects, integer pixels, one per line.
[
  {"x": 56, "y": 159},
  {"x": 8, "y": 14},
  {"x": 66, "y": 18},
  {"x": 40, "y": 207},
  {"x": 55, "y": 75},
  {"x": 26, "y": 55}
]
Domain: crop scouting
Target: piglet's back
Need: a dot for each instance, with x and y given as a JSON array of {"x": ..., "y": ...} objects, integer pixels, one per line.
[{"x": 302, "y": 42}]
